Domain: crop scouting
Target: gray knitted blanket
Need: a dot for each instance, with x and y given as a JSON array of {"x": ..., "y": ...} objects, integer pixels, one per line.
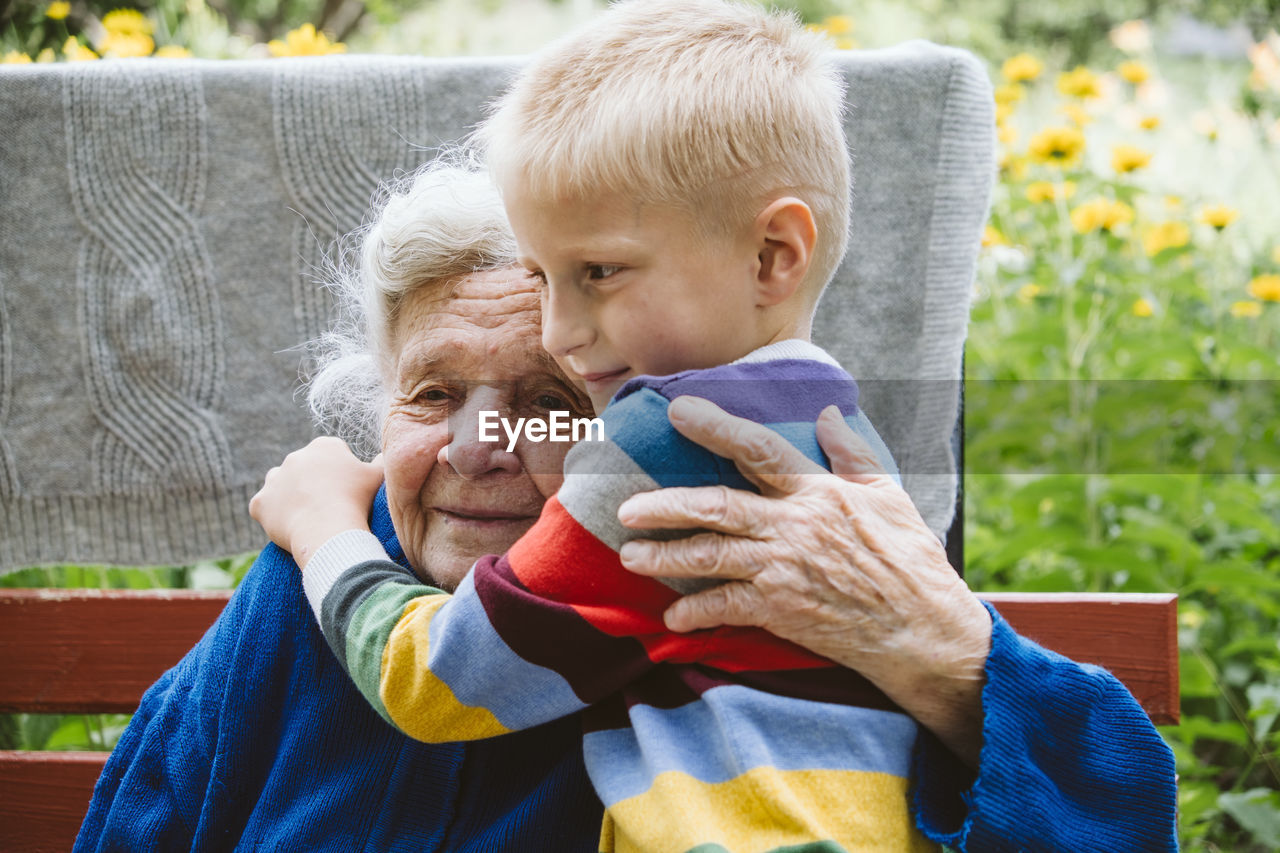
[{"x": 164, "y": 226}]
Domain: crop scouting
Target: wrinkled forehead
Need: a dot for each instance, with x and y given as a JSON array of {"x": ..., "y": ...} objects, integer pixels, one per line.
[{"x": 486, "y": 325}]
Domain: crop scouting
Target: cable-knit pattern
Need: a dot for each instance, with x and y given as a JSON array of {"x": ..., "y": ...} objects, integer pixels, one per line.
[
  {"x": 340, "y": 129},
  {"x": 8, "y": 468},
  {"x": 152, "y": 339}
]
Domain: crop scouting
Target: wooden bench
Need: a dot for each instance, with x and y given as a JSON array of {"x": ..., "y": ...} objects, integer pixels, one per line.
[{"x": 93, "y": 651}]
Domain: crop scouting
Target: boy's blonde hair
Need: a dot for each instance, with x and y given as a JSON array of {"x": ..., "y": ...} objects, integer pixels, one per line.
[{"x": 713, "y": 107}]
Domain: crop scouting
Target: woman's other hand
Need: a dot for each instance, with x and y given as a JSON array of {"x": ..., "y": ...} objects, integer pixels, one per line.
[
  {"x": 314, "y": 494},
  {"x": 842, "y": 565}
]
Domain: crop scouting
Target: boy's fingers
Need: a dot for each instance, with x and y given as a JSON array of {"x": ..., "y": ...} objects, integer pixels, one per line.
[{"x": 763, "y": 456}]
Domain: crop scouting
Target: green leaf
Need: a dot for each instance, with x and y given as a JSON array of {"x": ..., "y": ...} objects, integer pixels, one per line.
[
  {"x": 1264, "y": 707},
  {"x": 1257, "y": 811}
]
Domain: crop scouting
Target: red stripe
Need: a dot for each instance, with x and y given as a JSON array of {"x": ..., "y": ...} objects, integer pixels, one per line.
[{"x": 560, "y": 560}]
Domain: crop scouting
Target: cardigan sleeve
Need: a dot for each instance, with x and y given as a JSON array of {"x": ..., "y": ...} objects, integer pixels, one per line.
[{"x": 1070, "y": 761}]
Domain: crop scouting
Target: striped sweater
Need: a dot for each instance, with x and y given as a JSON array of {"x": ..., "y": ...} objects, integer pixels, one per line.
[{"x": 729, "y": 739}]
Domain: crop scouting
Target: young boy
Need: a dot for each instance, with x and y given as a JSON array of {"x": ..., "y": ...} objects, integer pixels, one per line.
[{"x": 676, "y": 176}]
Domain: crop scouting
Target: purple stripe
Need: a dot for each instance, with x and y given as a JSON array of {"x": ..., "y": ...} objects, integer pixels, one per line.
[{"x": 787, "y": 390}]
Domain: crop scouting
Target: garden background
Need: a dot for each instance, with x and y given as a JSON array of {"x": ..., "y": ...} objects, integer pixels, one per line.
[{"x": 1121, "y": 415}]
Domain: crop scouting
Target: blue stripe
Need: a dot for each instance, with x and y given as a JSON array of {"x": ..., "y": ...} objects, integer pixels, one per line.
[
  {"x": 733, "y": 729},
  {"x": 638, "y": 425},
  {"x": 482, "y": 671}
]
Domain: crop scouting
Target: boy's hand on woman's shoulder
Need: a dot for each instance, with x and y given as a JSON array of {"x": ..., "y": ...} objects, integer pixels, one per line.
[{"x": 316, "y": 493}]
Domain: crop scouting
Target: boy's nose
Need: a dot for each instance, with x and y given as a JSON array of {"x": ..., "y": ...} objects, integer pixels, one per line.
[{"x": 566, "y": 324}]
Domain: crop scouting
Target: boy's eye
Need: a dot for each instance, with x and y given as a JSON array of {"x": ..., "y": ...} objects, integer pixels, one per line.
[{"x": 596, "y": 272}]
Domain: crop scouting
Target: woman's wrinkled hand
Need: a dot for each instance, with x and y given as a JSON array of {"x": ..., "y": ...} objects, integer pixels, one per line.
[{"x": 842, "y": 565}]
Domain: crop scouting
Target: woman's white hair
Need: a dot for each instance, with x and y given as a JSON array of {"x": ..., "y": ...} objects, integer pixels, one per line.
[{"x": 440, "y": 223}]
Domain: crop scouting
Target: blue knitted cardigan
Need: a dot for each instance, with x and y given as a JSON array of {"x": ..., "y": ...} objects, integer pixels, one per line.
[{"x": 258, "y": 740}]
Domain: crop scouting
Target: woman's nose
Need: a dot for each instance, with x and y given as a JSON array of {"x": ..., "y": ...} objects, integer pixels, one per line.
[{"x": 465, "y": 452}]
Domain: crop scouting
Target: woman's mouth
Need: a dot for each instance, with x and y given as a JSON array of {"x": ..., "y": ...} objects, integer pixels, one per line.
[{"x": 484, "y": 518}]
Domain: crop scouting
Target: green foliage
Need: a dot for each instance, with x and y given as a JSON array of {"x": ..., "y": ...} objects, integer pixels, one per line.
[{"x": 1121, "y": 416}]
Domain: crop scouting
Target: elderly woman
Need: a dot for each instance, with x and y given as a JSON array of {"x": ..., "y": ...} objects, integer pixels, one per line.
[{"x": 258, "y": 738}]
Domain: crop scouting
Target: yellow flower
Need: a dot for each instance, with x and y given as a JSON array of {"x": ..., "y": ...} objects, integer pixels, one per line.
[
  {"x": 1038, "y": 191},
  {"x": 839, "y": 28},
  {"x": 14, "y": 57},
  {"x": 1100, "y": 214},
  {"x": 1142, "y": 308},
  {"x": 127, "y": 22},
  {"x": 1056, "y": 145},
  {"x": 172, "y": 51},
  {"x": 991, "y": 236},
  {"x": 122, "y": 45},
  {"x": 1007, "y": 134},
  {"x": 1080, "y": 82},
  {"x": 1131, "y": 36},
  {"x": 1134, "y": 72},
  {"x": 1022, "y": 68},
  {"x": 74, "y": 51},
  {"x": 1246, "y": 309},
  {"x": 1003, "y": 112},
  {"x": 304, "y": 41},
  {"x": 1218, "y": 215},
  {"x": 46, "y": 55},
  {"x": 1129, "y": 158},
  {"x": 1028, "y": 292},
  {"x": 1009, "y": 93},
  {"x": 1164, "y": 235},
  {"x": 838, "y": 25},
  {"x": 1079, "y": 115},
  {"x": 57, "y": 10},
  {"x": 1173, "y": 202},
  {"x": 1149, "y": 122},
  {"x": 1012, "y": 166},
  {"x": 1266, "y": 288}
]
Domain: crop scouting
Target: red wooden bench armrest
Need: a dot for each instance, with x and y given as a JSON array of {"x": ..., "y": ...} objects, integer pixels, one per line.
[{"x": 87, "y": 651}]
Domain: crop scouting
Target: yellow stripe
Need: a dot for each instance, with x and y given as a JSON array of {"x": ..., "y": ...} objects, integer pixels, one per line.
[
  {"x": 766, "y": 808},
  {"x": 420, "y": 704}
]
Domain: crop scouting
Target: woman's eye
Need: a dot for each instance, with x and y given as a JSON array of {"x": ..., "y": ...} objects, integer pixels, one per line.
[
  {"x": 598, "y": 272},
  {"x": 551, "y": 402},
  {"x": 434, "y": 395},
  {"x": 539, "y": 277}
]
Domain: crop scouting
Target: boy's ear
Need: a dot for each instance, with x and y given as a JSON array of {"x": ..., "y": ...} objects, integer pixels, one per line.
[{"x": 784, "y": 235}]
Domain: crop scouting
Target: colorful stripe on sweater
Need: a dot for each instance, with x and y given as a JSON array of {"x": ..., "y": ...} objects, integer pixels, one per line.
[{"x": 731, "y": 738}]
